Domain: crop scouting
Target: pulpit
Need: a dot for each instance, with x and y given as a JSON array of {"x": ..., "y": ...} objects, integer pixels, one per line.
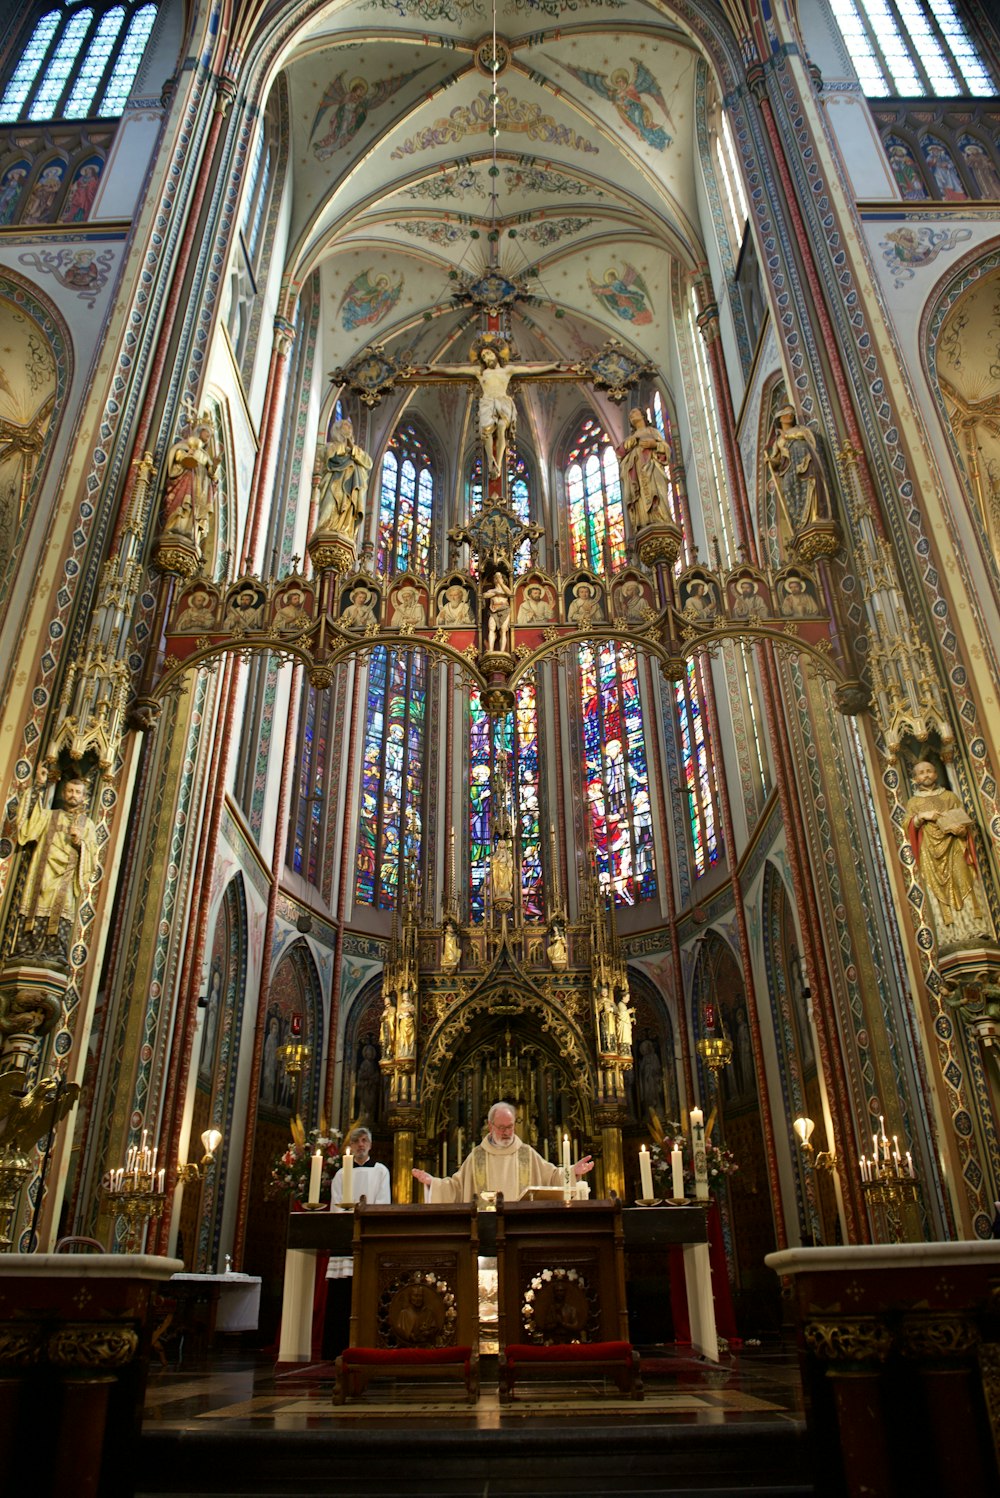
[
  {"x": 415, "y": 1297},
  {"x": 562, "y": 1309}
]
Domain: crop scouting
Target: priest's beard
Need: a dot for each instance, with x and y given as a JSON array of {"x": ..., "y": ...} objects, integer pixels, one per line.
[{"x": 501, "y": 1144}]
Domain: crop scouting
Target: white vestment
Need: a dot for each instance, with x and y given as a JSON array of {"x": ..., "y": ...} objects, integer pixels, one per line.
[
  {"x": 371, "y": 1182},
  {"x": 491, "y": 1167}
]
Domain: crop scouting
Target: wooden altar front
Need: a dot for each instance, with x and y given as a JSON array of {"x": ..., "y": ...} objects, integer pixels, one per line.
[{"x": 652, "y": 1229}]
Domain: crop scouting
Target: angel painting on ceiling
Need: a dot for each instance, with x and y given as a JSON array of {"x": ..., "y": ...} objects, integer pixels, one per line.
[
  {"x": 350, "y": 104},
  {"x": 624, "y": 293},
  {"x": 367, "y": 300},
  {"x": 626, "y": 94}
]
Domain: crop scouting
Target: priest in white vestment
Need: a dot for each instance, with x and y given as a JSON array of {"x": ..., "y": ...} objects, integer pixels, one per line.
[{"x": 502, "y": 1162}]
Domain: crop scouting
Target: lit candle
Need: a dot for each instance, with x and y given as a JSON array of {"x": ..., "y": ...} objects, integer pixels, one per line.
[
  {"x": 909, "y": 1166},
  {"x": 567, "y": 1158},
  {"x": 677, "y": 1173},
  {"x": 315, "y": 1175},
  {"x": 347, "y": 1194},
  {"x": 646, "y": 1174},
  {"x": 163, "y": 1179}
]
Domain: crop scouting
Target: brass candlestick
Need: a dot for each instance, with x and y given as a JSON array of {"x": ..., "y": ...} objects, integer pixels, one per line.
[
  {"x": 892, "y": 1193},
  {"x": 138, "y": 1201}
]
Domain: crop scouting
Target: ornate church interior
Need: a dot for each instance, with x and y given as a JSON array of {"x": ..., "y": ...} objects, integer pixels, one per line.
[{"x": 499, "y": 601}]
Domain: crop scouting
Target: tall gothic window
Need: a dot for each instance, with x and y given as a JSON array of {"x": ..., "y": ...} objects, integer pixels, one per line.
[
  {"x": 593, "y": 491},
  {"x": 912, "y": 49},
  {"x": 698, "y": 770},
  {"x": 516, "y": 737},
  {"x": 76, "y": 62},
  {"x": 616, "y": 775},
  {"x": 405, "y": 504},
  {"x": 311, "y": 790},
  {"x": 395, "y": 738}
]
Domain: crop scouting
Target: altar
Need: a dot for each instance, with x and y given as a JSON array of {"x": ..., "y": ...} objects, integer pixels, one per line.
[{"x": 650, "y": 1229}]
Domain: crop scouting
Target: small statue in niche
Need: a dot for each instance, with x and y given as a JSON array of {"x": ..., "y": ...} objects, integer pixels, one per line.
[
  {"x": 387, "y": 1028},
  {"x": 406, "y": 1031},
  {"x": 623, "y": 1027},
  {"x": 451, "y": 950},
  {"x": 940, "y": 834},
  {"x": 556, "y": 951},
  {"x": 607, "y": 1029},
  {"x": 502, "y": 872}
]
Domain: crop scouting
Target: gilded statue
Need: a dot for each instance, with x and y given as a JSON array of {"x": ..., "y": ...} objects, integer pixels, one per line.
[
  {"x": 342, "y": 481},
  {"x": 502, "y": 871},
  {"x": 557, "y": 951},
  {"x": 387, "y": 1030},
  {"x": 406, "y": 1030},
  {"x": 192, "y": 477},
  {"x": 62, "y": 866},
  {"x": 940, "y": 834},
  {"x": 642, "y": 460},
  {"x": 497, "y": 413},
  {"x": 451, "y": 950}
]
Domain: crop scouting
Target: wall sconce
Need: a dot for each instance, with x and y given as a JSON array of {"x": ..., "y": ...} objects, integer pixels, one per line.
[
  {"x": 193, "y": 1171},
  {"x": 804, "y": 1130}
]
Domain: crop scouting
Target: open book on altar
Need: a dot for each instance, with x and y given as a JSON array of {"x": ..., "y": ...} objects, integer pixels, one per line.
[{"x": 541, "y": 1194}]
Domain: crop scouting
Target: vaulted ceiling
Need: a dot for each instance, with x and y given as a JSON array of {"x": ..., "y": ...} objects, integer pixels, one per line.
[{"x": 579, "y": 177}]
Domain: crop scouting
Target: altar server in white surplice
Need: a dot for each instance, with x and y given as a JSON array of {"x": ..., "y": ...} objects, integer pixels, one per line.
[
  {"x": 371, "y": 1181},
  {"x": 502, "y": 1162}
]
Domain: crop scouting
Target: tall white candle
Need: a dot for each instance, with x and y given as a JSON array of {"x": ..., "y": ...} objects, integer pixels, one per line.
[
  {"x": 347, "y": 1194},
  {"x": 444, "y": 1157},
  {"x": 646, "y": 1174},
  {"x": 458, "y": 1148},
  {"x": 677, "y": 1173},
  {"x": 566, "y": 1157},
  {"x": 315, "y": 1175},
  {"x": 698, "y": 1154}
]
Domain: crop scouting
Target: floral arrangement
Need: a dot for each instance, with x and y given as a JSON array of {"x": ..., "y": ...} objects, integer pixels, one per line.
[
  {"x": 290, "y": 1171},
  {"x": 720, "y": 1162},
  {"x": 529, "y": 1309}
]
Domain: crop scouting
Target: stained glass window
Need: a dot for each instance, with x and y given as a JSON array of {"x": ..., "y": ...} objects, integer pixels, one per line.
[
  {"x": 593, "y": 491},
  {"x": 394, "y": 754},
  {"x": 69, "y": 55},
  {"x": 392, "y": 775},
  {"x": 313, "y": 760},
  {"x": 616, "y": 773},
  {"x": 516, "y": 736},
  {"x": 616, "y": 776},
  {"x": 697, "y": 770},
  {"x": 405, "y": 505},
  {"x": 912, "y": 49}
]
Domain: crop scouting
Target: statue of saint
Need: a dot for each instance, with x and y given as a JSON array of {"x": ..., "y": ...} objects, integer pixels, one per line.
[
  {"x": 406, "y": 1030},
  {"x": 623, "y": 1027},
  {"x": 606, "y": 1020},
  {"x": 502, "y": 871},
  {"x": 342, "y": 483},
  {"x": 795, "y": 462},
  {"x": 387, "y": 1030},
  {"x": 192, "y": 473},
  {"x": 498, "y": 615},
  {"x": 642, "y": 460},
  {"x": 62, "y": 866},
  {"x": 557, "y": 951},
  {"x": 451, "y": 950},
  {"x": 940, "y": 833}
]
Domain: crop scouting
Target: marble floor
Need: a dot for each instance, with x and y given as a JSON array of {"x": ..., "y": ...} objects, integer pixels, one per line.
[{"x": 735, "y": 1427}]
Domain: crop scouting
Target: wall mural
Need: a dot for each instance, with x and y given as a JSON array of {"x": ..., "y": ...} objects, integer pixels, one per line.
[
  {"x": 477, "y": 119},
  {"x": 968, "y": 371},
  {"x": 28, "y": 380},
  {"x": 52, "y": 179},
  {"x": 623, "y": 293},
  {"x": 626, "y": 92},
  {"x": 521, "y": 178},
  {"x": 906, "y": 249},
  {"x": 84, "y": 271},
  {"x": 346, "y": 106},
  {"x": 367, "y": 300}
]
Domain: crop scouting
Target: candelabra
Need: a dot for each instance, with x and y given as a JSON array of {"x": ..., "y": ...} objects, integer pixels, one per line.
[
  {"x": 889, "y": 1181},
  {"x": 15, "y": 1168},
  {"x": 136, "y": 1191}
]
